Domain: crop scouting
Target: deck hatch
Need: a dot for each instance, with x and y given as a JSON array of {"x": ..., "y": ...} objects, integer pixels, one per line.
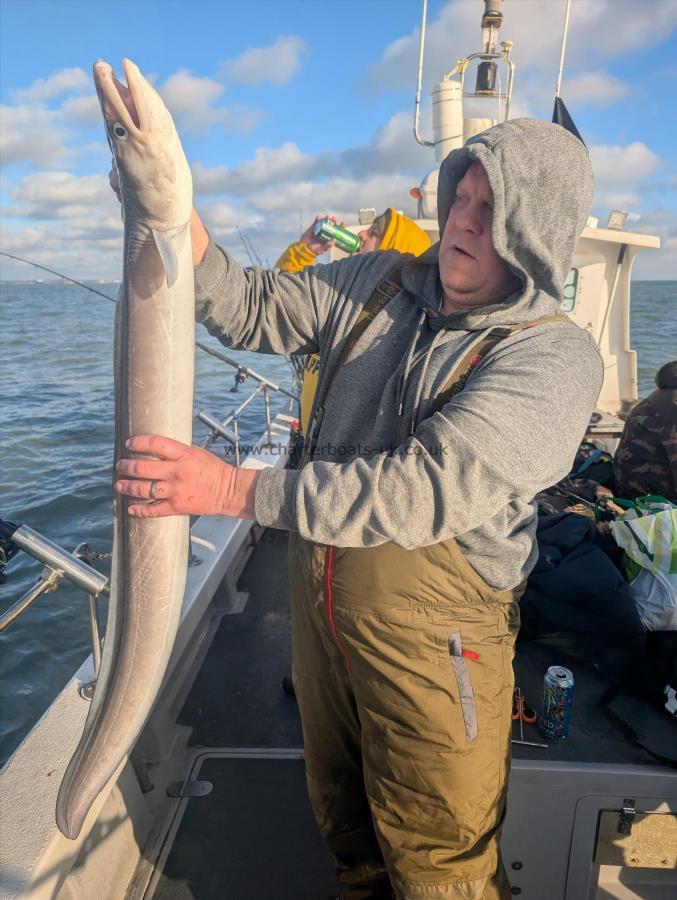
[{"x": 651, "y": 843}]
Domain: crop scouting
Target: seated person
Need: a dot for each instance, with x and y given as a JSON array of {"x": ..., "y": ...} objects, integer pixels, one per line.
[{"x": 646, "y": 459}]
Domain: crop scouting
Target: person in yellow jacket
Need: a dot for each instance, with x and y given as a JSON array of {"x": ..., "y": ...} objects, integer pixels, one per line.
[{"x": 389, "y": 231}]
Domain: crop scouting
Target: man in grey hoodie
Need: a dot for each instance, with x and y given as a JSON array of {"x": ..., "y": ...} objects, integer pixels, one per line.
[{"x": 450, "y": 392}]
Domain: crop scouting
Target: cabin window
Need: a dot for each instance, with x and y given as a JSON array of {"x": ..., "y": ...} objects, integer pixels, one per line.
[{"x": 570, "y": 291}]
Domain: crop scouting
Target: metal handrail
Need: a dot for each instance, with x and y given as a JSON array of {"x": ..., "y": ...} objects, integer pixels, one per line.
[
  {"x": 60, "y": 560},
  {"x": 221, "y": 428},
  {"x": 59, "y": 564}
]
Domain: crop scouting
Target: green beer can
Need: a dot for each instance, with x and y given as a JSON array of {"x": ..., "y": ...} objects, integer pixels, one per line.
[{"x": 330, "y": 231}]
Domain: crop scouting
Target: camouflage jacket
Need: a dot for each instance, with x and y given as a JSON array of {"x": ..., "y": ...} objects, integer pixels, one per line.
[{"x": 646, "y": 459}]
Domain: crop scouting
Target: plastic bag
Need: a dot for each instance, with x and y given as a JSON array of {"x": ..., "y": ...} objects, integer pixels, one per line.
[{"x": 647, "y": 533}]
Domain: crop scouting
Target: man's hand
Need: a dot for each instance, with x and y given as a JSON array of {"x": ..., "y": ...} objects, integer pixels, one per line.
[
  {"x": 184, "y": 480},
  {"x": 114, "y": 181},
  {"x": 315, "y": 244},
  {"x": 198, "y": 233}
]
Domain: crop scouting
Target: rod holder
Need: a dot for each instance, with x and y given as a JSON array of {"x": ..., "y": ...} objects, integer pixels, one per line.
[
  {"x": 222, "y": 430},
  {"x": 48, "y": 581},
  {"x": 70, "y": 567}
]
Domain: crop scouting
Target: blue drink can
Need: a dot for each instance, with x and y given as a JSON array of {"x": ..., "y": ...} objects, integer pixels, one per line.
[{"x": 558, "y": 691}]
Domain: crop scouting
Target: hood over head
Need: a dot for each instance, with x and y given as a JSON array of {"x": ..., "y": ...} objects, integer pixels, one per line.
[
  {"x": 542, "y": 184},
  {"x": 402, "y": 234},
  {"x": 666, "y": 376}
]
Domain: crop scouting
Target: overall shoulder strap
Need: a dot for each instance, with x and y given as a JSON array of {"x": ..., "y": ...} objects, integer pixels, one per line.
[
  {"x": 462, "y": 371},
  {"x": 383, "y": 293}
]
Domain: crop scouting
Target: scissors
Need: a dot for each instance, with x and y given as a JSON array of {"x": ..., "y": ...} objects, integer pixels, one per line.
[
  {"x": 520, "y": 710},
  {"x": 523, "y": 713}
]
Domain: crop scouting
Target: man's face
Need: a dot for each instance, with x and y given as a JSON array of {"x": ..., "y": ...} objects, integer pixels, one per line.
[
  {"x": 369, "y": 240},
  {"x": 471, "y": 272}
]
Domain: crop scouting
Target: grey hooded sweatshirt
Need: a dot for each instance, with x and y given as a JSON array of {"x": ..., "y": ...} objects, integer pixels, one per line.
[{"x": 384, "y": 468}]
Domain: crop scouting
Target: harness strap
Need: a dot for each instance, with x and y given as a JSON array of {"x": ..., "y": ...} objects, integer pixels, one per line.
[
  {"x": 463, "y": 370},
  {"x": 382, "y": 294}
]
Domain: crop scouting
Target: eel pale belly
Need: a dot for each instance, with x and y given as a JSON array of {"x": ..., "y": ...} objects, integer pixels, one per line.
[{"x": 154, "y": 368}]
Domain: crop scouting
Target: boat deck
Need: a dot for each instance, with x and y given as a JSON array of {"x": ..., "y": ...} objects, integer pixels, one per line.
[{"x": 254, "y": 832}]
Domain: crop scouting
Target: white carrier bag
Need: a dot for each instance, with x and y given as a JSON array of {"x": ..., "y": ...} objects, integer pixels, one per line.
[{"x": 647, "y": 533}]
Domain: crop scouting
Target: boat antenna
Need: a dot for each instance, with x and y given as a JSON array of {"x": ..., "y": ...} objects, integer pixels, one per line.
[
  {"x": 419, "y": 81},
  {"x": 565, "y": 34},
  {"x": 560, "y": 114},
  {"x": 59, "y": 275}
]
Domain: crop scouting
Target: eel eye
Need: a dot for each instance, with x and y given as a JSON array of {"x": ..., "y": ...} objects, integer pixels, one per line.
[{"x": 120, "y": 131}]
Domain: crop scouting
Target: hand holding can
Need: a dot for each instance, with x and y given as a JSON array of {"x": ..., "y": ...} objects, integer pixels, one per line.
[{"x": 328, "y": 230}]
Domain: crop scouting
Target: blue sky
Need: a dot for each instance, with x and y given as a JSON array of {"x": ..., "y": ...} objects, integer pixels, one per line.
[{"x": 286, "y": 109}]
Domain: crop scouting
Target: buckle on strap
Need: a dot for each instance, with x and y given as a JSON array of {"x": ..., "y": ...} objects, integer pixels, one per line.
[{"x": 389, "y": 288}]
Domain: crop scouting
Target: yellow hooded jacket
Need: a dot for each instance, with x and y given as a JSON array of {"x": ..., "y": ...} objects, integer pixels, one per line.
[{"x": 401, "y": 234}]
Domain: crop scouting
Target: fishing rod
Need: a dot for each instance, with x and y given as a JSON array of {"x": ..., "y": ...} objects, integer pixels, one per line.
[
  {"x": 242, "y": 371},
  {"x": 59, "y": 275},
  {"x": 250, "y": 250}
]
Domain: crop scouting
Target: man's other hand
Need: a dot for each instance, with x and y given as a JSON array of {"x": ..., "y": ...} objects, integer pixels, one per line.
[
  {"x": 114, "y": 181},
  {"x": 198, "y": 233},
  {"x": 315, "y": 244}
]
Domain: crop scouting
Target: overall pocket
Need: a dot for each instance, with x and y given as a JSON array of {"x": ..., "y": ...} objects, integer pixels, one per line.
[{"x": 464, "y": 684}]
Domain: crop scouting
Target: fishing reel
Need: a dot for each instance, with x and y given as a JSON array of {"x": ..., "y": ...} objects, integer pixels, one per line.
[
  {"x": 240, "y": 378},
  {"x": 8, "y": 548}
]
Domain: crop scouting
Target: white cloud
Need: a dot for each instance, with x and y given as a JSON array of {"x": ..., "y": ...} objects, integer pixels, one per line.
[
  {"x": 81, "y": 249},
  {"x": 276, "y": 64},
  {"x": 610, "y": 28},
  {"x": 269, "y": 165},
  {"x": 63, "y": 196},
  {"x": 624, "y": 199},
  {"x": 227, "y": 218},
  {"x": 339, "y": 195},
  {"x": 391, "y": 152},
  {"x": 393, "y": 149},
  {"x": 30, "y": 134},
  {"x": 621, "y": 169},
  {"x": 62, "y": 82},
  {"x": 191, "y": 99},
  {"x": 594, "y": 88},
  {"x": 82, "y": 110}
]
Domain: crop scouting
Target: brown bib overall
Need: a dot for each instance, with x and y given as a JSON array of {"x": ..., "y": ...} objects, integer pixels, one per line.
[{"x": 403, "y": 674}]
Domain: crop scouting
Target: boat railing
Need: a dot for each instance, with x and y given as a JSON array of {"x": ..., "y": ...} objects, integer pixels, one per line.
[
  {"x": 58, "y": 564},
  {"x": 222, "y": 428}
]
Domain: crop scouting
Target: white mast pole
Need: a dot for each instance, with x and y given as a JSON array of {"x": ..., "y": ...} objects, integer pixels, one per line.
[
  {"x": 419, "y": 81},
  {"x": 564, "y": 45}
]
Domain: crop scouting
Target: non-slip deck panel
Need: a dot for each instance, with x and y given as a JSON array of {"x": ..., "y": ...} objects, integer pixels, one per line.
[
  {"x": 237, "y": 699},
  {"x": 252, "y": 838}
]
